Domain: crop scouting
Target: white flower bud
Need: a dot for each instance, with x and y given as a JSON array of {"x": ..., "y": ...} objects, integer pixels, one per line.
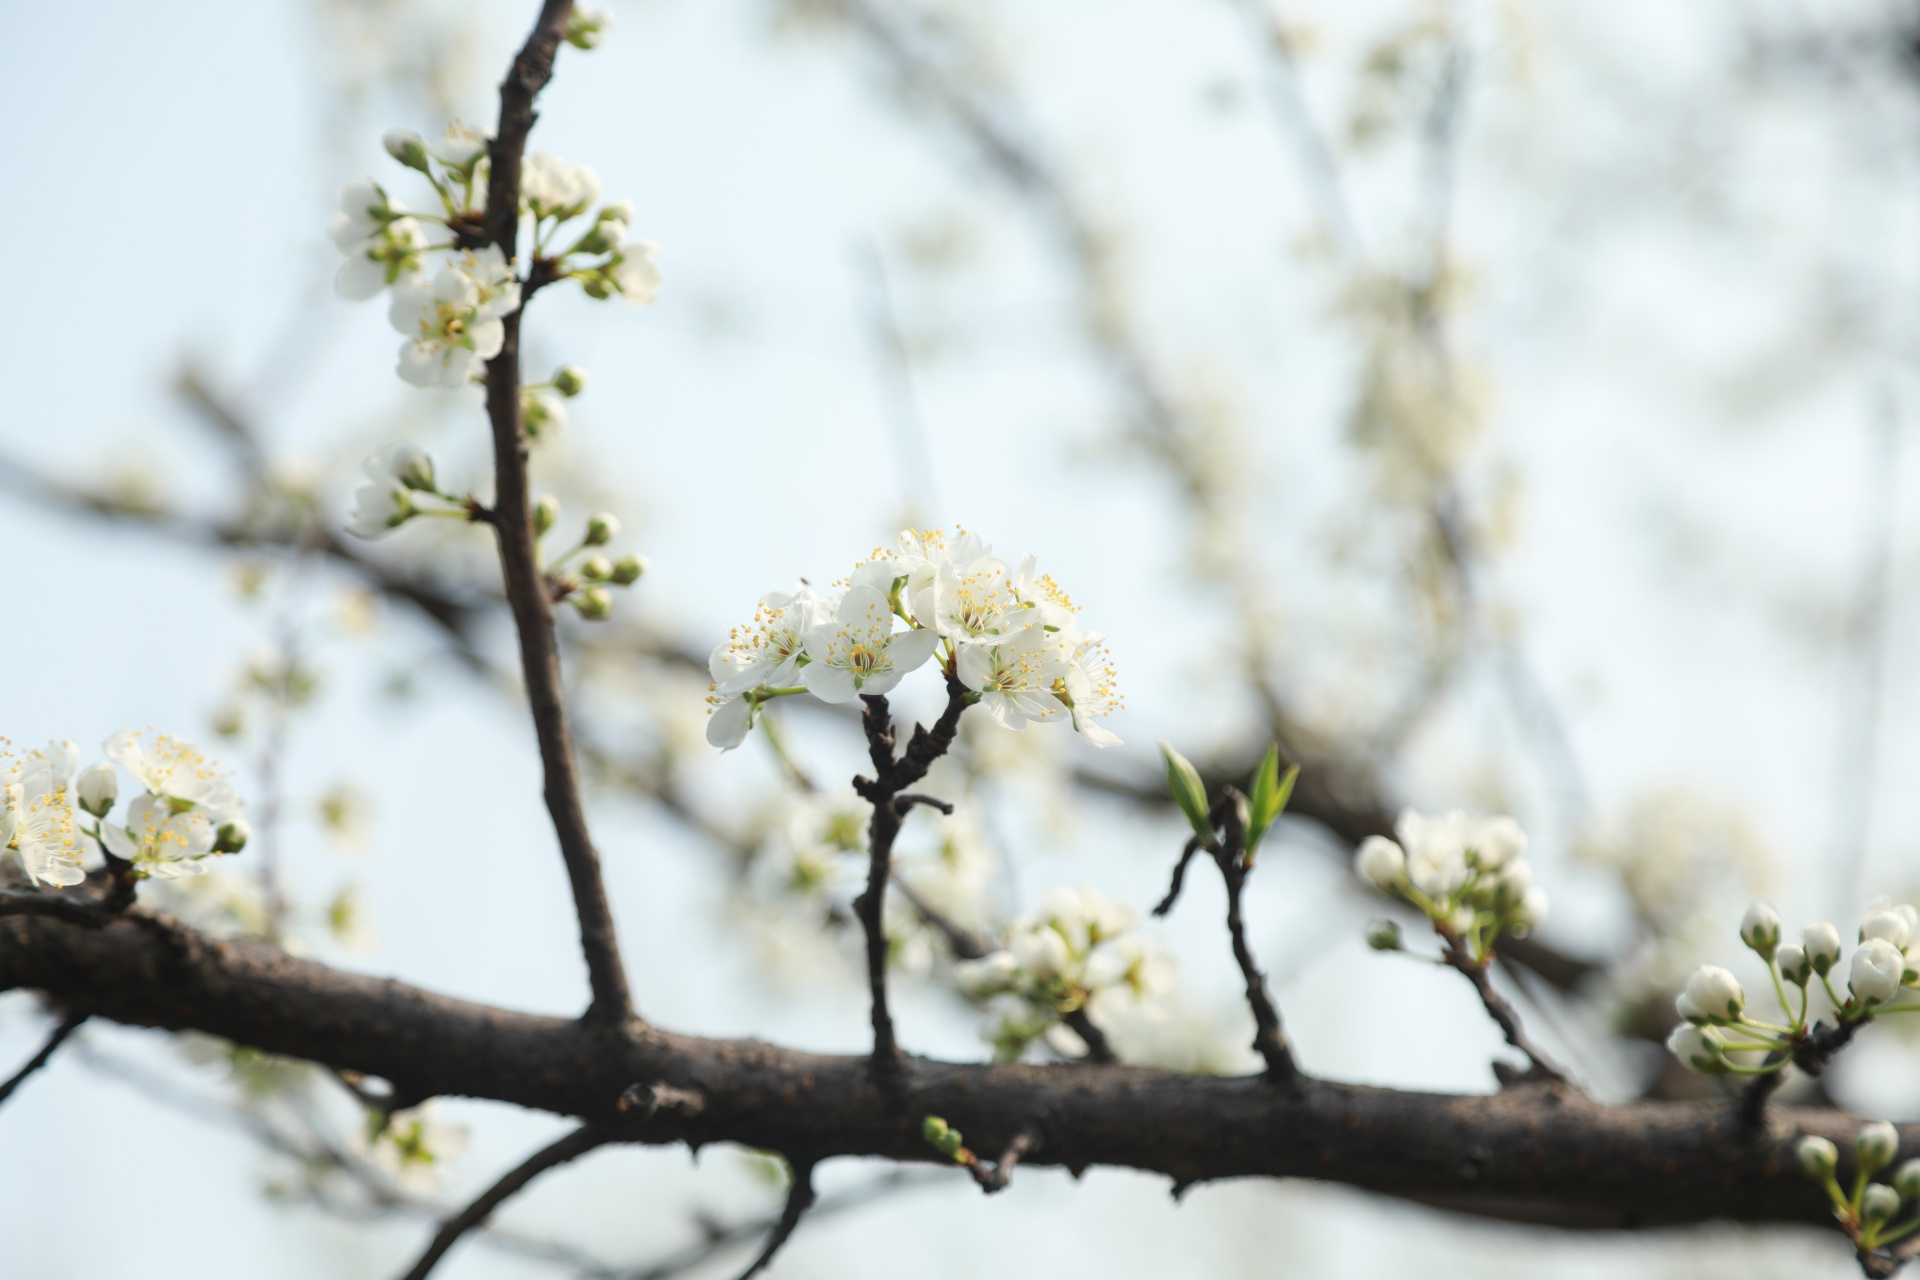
[
  {"x": 232, "y": 836},
  {"x": 1888, "y": 926},
  {"x": 1698, "y": 1048},
  {"x": 602, "y": 528},
  {"x": 1533, "y": 909},
  {"x": 1818, "y": 1158},
  {"x": 1384, "y": 935},
  {"x": 97, "y": 788},
  {"x": 1878, "y": 1203},
  {"x": 1874, "y": 977},
  {"x": 570, "y": 380},
  {"x": 1381, "y": 863},
  {"x": 620, "y": 211},
  {"x": 596, "y": 569},
  {"x": 407, "y": 463},
  {"x": 635, "y": 272},
  {"x": 1906, "y": 1180},
  {"x": 1684, "y": 1006},
  {"x": 1822, "y": 943},
  {"x": 1760, "y": 929},
  {"x": 1792, "y": 960},
  {"x": 1875, "y": 1146},
  {"x": 587, "y": 27},
  {"x": 1716, "y": 992},
  {"x": 627, "y": 570},
  {"x": 406, "y": 146},
  {"x": 1496, "y": 842},
  {"x": 545, "y": 512}
]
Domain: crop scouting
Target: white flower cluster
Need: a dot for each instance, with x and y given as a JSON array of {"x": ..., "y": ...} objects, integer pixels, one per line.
[
  {"x": 1886, "y": 960},
  {"x": 188, "y": 812},
  {"x": 1078, "y": 952},
  {"x": 397, "y": 478},
  {"x": 1007, "y": 634},
  {"x": 1465, "y": 874},
  {"x": 451, "y": 315},
  {"x": 1867, "y": 1215}
]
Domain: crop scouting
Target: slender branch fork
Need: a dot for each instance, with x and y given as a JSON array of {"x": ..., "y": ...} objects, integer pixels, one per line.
[
  {"x": 569, "y": 1147},
  {"x": 512, "y": 519},
  {"x": 64, "y": 1028}
]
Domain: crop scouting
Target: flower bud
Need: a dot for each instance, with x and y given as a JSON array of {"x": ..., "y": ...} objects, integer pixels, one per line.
[
  {"x": 1384, "y": 935},
  {"x": 1889, "y": 926},
  {"x": 409, "y": 464},
  {"x": 586, "y": 28},
  {"x": 1876, "y": 972},
  {"x": 596, "y": 569},
  {"x": 1183, "y": 780},
  {"x": 1822, "y": 943},
  {"x": 232, "y": 836},
  {"x": 627, "y": 570},
  {"x": 1532, "y": 910},
  {"x": 408, "y": 147},
  {"x": 1381, "y": 863},
  {"x": 602, "y": 528},
  {"x": 1717, "y": 993},
  {"x": 595, "y": 604},
  {"x": 1760, "y": 929},
  {"x": 943, "y": 1138},
  {"x": 1818, "y": 1158},
  {"x": 1875, "y": 1146},
  {"x": 97, "y": 788},
  {"x": 570, "y": 380},
  {"x": 1698, "y": 1048},
  {"x": 1684, "y": 1006},
  {"x": 1906, "y": 1180},
  {"x": 1878, "y": 1203},
  {"x": 601, "y": 237},
  {"x": 545, "y": 512},
  {"x": 1792, "y": 960},
  {"x": 620, "y": 211}
]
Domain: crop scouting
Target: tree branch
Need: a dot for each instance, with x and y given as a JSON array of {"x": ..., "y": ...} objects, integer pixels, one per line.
[
  {"x": 66, "y": 1027},
  {"x": 573, "y": 1145},
  {"x": 800, "y": 1198},
  {"x": 527, "y": 594},
  {"x": 1501, "y": 1010}
]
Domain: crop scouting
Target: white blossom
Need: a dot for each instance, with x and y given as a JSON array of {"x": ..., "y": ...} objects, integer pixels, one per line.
[
  {"x": 1760, "y": 929},
  {"x": 729, "y": 720},
  {"x": 1698, "y": 1048},
  {"x": 767, "y": 649},
  {"x": 635, "y": 271},
  {"x": 460, "y": 146},
  {"x": 176, "y": 770},
  {"x": 384, "y": 501},
  {"x": 1822, "y": 944},
  {"x": 1015, "y": 675},
  {"x": 36, "y": 817},
  {"x": 859, "y": 652},
  {"x": 1874, "y": 976},
  {"x": 159, "y": 841},
  {"x": 1889, "y": 926},
  {"x": 1092, "y": 686},
  {"x": 453, "y": 321},
  {"x": 554, "y": 188},
  {"x": 1381, "y": 862},
  {"x": 1716, "y": 993}
]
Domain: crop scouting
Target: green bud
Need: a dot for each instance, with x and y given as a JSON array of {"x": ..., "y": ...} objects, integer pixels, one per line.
[
  {"x": 1906, "y": 1180},
  {"x": 586, "y": 28},
  {"x": 232, "y": 836},
  {"x": 627, "y": 570},
  {"x": 1875, "y": 1146},
  {"x": 943, "y": 1138},
  {"x": 933, "y": 1129},
  {"x": 545, "y": 512},
  {"x": 407, "y": 147},
  {"x": 1385, "y": 935},
  {"x": 601, "y": 237},
  {"x": 602, "y": 528},
  {"x": 1268, "y": 796},
  {"x": 595, "y": 604},
  {"x": 596, "y": 569},
  {"x": 1878, "y": 1203},
  {"x": 570, "y": 381},
  {"x": 598, "y": 285},
  {"x": 1183, "y": 781},
  {"x": 1818, "y": 1158}
]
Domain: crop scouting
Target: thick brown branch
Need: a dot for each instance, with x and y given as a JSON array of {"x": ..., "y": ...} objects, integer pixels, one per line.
[
  {"x": 66, "y": 1027},
  {"x": 527, "y": 596},
  {"x": 1534, "y": 1154},
  {"x": 799, "y": 1199},
  {"x": 572, "y": 1146}
]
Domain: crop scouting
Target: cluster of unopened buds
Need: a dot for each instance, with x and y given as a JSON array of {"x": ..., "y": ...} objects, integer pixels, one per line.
[
  {"x": 188, "y": 811},
  {"x": 400, "y": 486},
  {"x": 1005, "y": 634},
  {"x": 1714, "y": 1004},
  {"x": 452, "y": 289},
  {"x": 1465, "y": 874},
  {"x": 1077, "y": 952},
  {"x": 1867, "y": 1210}
]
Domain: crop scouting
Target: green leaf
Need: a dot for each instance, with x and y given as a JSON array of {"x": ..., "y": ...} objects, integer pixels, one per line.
[
  {"x": 1183, "y": 781},
  {"x": 1271, "y": 792}
]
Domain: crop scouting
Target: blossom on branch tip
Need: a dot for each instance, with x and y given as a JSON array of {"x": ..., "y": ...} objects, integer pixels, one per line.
[
  {"x": 385, "y": 500},
  {"x": 1716, "y": 993},
  {"x": 36, "y": 815},
  {"x": 460, "y": 146},
  {"x": 1760, "y": 929},
  {"x": 859, "y": 652},
  {"x": 453, "y": 321},
  {"x": 635, "y": 271},
  {"x": 1380, "y": 862},
  {"x": 189, "y": 811},
  {"x": 1014, "y": 675},
  {"x": 1875, "y": 974},
  {"x": 554, "y": 188},
  {"x": 381, "y": 243},
  {"x": 768, "y": 649}
]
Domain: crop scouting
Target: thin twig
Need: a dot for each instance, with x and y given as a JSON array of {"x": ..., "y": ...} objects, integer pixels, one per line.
[
  {"x": 582, "y": 1140},
  {"x": 1501, "y": 1010},
  {"x": 1269, "y": 1039},
  {"x": 66, "y": 1027},
  {"x": 512, "y": 520},
  {"x": 1099, "y": 1048},
  {"x": 800, "y": 1198},
  {"x": 996, "y": 1178},
  {"x": 1179, "y": 877}
]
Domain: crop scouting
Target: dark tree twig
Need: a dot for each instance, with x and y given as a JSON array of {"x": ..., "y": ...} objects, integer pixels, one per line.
[
  {"x": 512, "y": 519},
  {"x": 66, "y": 1027},
  {"x": 891, "y": 777},
  {"x": 800, "y": 1198},
  {"x": 1539, "y": 1066},
  {"x": 570, "y": 1147},
  {"x": 996, "y": 1178}
]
